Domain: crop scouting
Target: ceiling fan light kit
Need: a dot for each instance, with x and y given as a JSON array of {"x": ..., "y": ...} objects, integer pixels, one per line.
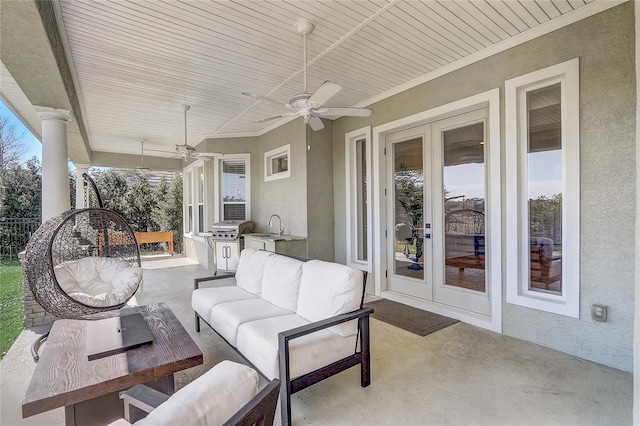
[{"x": 309, "y": 106}]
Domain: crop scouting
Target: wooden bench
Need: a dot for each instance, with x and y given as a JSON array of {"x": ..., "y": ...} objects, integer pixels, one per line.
[{"x": 156, "y": 237}]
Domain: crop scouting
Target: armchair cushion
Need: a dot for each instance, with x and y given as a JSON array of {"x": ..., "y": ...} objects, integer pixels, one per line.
[{"x": 209, "y": 400}]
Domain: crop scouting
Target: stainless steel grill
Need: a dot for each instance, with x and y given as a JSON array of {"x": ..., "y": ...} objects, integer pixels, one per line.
[{"x": 229, "y": 230}]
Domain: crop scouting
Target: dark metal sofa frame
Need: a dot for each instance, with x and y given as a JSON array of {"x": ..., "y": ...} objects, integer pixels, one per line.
[{"x": 290, "y": 386}]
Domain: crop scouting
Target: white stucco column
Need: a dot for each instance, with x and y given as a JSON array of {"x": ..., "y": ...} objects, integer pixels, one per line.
[
  {"x": 80, "y": 189},
  {"x": 55, "y": 172}
]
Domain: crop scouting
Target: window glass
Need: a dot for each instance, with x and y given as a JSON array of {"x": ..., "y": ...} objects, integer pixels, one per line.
[
  {"x": 200, "y": 177},
  {"x": 189, "y": 194},
  {"x": 234, "y": 190},
  {"x": 361, "y": 203},
  {"x": 544, "y": 186}
]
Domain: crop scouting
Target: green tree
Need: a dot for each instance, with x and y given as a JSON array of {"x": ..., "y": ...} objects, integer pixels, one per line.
[
  {"x": 139, "y": 202},
  {"x": 167, "y": 212},
  {"x": 10, "y": 147},
  {"x": 21, "y": 188},
  {"x": 113, "y": 187}
]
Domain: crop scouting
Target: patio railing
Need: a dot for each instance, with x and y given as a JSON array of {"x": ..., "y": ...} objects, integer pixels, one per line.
[{"x": 15, "y": 234}]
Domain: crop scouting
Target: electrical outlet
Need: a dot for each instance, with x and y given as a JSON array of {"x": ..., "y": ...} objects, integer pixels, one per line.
[{"x": 599, "y": 312}]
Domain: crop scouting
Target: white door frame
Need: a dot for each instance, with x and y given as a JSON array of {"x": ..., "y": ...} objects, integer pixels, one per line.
[{"x": 490, "y": 99}]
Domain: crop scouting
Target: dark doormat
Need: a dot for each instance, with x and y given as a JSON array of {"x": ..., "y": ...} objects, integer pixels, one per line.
[{"x": 409, "y": 318}]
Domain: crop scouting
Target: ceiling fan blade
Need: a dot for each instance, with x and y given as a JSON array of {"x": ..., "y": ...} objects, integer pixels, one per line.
[
  {"x": 263, "y": 98},
  {"x": 210, "y": 154},
  {"x": 274, "y": 117},
  {"x": 315, "y": 123},
  {"x": 325, "y": 92},
  {"x": 342, "y": 112}
]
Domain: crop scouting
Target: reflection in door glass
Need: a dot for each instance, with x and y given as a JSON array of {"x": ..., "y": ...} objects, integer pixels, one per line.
[
  {"x": 408, "y": 209},
  {"x": 464, "y": 197}
]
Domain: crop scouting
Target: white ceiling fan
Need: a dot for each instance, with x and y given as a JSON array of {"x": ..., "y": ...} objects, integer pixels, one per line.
[
  {"x": 141, "y": 167},
  {"x": 310, "y": 106},
  {"x": 185, "y": 150}
]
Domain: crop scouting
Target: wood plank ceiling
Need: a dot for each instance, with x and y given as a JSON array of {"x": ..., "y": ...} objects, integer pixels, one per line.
[{"x": 137, "y": 61}]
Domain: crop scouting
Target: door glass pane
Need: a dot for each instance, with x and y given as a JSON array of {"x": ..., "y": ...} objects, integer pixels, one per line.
[
  {"x": 544, "y": 165},
  {"x": 408, "y": 195},
  {"x": 464, "y": 200}
]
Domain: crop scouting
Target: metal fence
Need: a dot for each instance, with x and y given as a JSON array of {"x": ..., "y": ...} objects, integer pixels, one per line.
[{"x": 15, "y": 234}]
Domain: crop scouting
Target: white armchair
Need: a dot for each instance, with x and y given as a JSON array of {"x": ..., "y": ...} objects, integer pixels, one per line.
[{"x": 227, "y": 394}]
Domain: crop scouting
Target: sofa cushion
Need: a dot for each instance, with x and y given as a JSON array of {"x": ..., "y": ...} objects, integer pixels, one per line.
[
  {"x": 251, "y": 269},
  {"x": 281, "y": 281},
  {"x": 211, "y": 399},
  {"x": 204, "y": 299},
  {"x": 227, "y": 317},
  {"x": 258, "y": 342},
  {"x": 328, "y": 289}
]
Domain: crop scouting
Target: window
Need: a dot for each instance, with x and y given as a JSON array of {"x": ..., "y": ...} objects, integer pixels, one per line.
[
  {"x": 189, "y": 203},
  {"x": 200, "y": 179},
  {"x": 543, "y": 189},
  {"x": 234, "y": 189},
  {"x": 277, "y": 164},
  {"x": 358, "y": 169},
  {"x": 195, "y": 193}
]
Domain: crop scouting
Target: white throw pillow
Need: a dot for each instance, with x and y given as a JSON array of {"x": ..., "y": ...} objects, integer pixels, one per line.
[
  {"x": 281, "y": 281},
  {"x": 107, "y": 267},
  {"x": 209, "y": 400},
  {"x": 251, "y": 269},
  {"x": 328, "y": 289},
  {"x": 65, "y": 279}
]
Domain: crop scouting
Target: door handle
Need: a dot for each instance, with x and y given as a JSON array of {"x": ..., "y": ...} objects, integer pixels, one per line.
[{"x": 427, "y": 236}]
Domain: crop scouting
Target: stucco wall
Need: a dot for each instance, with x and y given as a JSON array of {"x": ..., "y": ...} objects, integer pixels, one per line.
[
  {"x": 284, "y": 197},
  {"x": 605, "y": 45},
  {"x": 320, "y": 194}
]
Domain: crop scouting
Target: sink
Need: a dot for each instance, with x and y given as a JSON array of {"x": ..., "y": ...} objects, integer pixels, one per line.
[{"x": 273, "y": 237}]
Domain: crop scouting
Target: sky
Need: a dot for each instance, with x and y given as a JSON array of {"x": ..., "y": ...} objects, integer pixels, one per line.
[{"x": 28, "y": 140}]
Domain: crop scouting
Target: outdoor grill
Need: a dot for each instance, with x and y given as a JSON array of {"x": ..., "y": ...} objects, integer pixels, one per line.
[{"x": 229, "y": 230}]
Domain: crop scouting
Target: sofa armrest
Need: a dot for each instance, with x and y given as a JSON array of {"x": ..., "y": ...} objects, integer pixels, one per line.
[
  {"x": 294, "y": 333},
  {"x": 197, "y": 281},
  {"x": 363, "y": 357}
]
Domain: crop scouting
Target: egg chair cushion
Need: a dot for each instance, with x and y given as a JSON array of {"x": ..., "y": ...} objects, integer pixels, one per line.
[{"x": 98, "y": 281}]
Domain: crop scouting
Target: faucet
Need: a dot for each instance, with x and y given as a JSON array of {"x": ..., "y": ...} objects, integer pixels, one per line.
[{"x": 270, "y": 224}]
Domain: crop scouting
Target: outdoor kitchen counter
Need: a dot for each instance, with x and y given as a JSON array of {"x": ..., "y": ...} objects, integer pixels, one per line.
[{"x": 290, "y": 245}]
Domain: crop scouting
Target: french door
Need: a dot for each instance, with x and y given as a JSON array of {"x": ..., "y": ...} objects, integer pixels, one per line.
[{"x": 436, "y": 192}]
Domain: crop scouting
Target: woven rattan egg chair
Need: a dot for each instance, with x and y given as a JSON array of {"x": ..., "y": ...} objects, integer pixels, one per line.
[{"x": 82, "y": 263}]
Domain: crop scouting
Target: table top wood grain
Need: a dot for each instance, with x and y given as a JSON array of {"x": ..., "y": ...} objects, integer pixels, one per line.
[{"x": 64, "y": 376}]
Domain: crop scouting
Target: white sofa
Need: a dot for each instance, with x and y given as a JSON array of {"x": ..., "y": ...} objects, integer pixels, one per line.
[{"x": 299, "y": 321}]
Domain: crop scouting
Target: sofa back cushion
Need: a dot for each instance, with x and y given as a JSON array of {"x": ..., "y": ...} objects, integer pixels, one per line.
[
  {"x": 251, "y": 269},
  {"x": 328, "y": 289},
  {"x": 281, "y": 281}
]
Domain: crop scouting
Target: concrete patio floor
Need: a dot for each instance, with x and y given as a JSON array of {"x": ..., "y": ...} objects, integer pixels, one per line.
[{"x": 461, "y": 375}]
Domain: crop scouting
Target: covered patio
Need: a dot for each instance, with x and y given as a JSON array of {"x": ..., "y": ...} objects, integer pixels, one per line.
[
  {"x": 459, "y": 375},
  {"x": 537, "y": 101}
]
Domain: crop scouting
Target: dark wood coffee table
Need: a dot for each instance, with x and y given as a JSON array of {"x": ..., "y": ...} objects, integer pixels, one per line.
[{"x": 88, "y": 390}]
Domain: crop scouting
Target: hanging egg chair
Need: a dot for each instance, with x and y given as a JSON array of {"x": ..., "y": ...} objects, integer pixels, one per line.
[{"x": 83, "y": 262}]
